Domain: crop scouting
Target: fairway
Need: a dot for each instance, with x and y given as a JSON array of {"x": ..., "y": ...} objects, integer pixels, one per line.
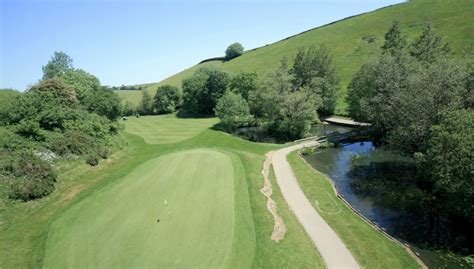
[
  {"x": 167, "y": 128},
  {"x": 117, "y": 227}
]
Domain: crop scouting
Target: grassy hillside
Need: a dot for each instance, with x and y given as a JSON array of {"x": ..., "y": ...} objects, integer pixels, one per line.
[{"x": 347, "y": 39}]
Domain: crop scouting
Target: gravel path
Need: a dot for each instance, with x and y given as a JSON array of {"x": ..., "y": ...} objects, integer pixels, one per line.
[{"x": 328, "y": 243}]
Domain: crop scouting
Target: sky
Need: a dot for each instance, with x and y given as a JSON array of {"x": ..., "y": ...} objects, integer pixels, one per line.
[{"x": 134, "y": 42}]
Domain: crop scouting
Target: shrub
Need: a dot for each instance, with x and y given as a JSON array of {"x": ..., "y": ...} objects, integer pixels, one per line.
[
  {"x": 167, "y": 99},
  {"x": 73, "y": 142},
  {"x": 233, "y": 111},
  {"x": 28, "y": 176},
  {"x": 92, "y": 160},
  {"x": 103, "y": 152},
  {"x": 234, "y": 50}
]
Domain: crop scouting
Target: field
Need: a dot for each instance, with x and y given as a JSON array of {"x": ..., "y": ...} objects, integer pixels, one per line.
[
  {"x": 106, "y": 216},
  {"x": 349, "y": 41}
]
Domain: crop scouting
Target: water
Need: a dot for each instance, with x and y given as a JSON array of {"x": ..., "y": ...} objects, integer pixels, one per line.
[
  {"x": 338, "y": 162},
  {"x": 380, "y": 184}
]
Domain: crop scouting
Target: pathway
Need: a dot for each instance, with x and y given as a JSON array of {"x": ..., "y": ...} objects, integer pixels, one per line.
[{"x": 328, "y": 243}]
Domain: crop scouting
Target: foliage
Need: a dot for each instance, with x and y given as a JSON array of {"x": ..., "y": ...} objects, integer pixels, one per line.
[
  {"x": 233, "y": 111},
  {"x": 92, "y": 160},
  {"x": 28, "y": 176},
  {"x": 55, "y": 88},
  {"x": 73, "y": 142},
  {"x": 418, "y": 103},
  {"x": 233, "y": 50},
  {"x": 395, "y": 42},
  {"x": 48, "y": 120},
  {"x": 244, "y": 83},
  {"x": 104, "y": 102},
  {"x": 448, "y": 163},
  {"x": 83, "y": 83},
  {"x": 6, "y": 98},
  {"x": 202, "y": 90},
  {"x": 146, "y": 104},
  {"x": 314, "y": 68},
  {"x": 428, "y": 47},
  {"x": 59, "y": 64},
  {"x": 167, "y": 99},
  {"x": 295, "y": 116}
]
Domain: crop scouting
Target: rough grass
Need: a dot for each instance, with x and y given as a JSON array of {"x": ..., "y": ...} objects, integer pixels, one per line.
[
  {"x": 132, "y": 96},
  {"x": 347, "y": 40},
  {"x": 25, "y": 226},
  {"x": 370, "y": 248}
]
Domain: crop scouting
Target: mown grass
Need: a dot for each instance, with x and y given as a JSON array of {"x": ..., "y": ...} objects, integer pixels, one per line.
[
  {"x": 347, "y": 40},
  {"x": 25, "y": 226},
  {"x": 370, "y": 248}
]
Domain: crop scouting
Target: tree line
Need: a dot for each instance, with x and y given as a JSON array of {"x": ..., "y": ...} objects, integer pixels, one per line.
[
  {"x": 419, "y": 99},
  {"x": 67, "y": 114},
  {"x": 286, "y": 101}
]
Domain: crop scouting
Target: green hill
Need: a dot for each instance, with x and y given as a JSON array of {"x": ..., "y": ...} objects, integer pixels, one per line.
[{"x": 354, "y": 41}]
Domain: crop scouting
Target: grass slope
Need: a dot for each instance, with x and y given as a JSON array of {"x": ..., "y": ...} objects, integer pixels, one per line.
[
  {"x": 370, "y": 248},
  {"x": 25, "y": 227},
  {"x": 345, "y": 39},
  {"x": 167, "y": 128},
  {"x": 117, "y": 226}
]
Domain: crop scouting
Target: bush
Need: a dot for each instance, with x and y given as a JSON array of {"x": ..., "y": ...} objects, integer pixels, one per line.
[
  {"x": 28, "y": 176},
  {"x": 167, "y": 99},
  {"x": 103, "y": 152},
  {"x": 92, "y": 160},
  {"x": 234, "y": 50},
  {"x": 233, "y": 111},
  {"x": 73, "y": 142}
]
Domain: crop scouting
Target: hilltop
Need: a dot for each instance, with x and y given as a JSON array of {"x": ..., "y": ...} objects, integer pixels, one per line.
[{"x": 353, "y": 41}]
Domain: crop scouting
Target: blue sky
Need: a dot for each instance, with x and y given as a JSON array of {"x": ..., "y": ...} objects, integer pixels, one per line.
[{"x": 132, "y": 42}]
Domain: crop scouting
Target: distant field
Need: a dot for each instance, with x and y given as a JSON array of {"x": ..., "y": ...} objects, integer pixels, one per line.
[
  {"x": 131, "y": 96},
  {"x": 167, "y": 128},
  {"x": 117, "y": 227},
  {"x": 347, "y": 39}
]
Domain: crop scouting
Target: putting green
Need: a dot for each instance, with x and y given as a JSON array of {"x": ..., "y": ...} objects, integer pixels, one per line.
[
  {"x": 203, "y": 223},
  {"x": 167, "y": 128}
]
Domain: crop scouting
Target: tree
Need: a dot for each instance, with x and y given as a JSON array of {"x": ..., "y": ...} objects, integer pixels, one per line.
[
  {"x": 429, "y": 47},
  {"x": 146, "y": 104},
  {"x": 395, "y": 42},
  {"x": 233, "y": 111},
  {"x": 104, "y": 102},
  {"x": 83, "y": 83},
  {"x": 59, "y": 64},
  {"x": 244, "y": 83},
  {"x": 192, "y": 91},
  {"x": 449, "y": 164},
  {"x": 203, "y": 89},
  {"x": 274, "y": 86},
  {"x": 234, "y": 50},
  {"x": 57, "y": 89},
  {"x": 296, "y": 114},
  {"x": 313, "y": 68},
  {"x": 167, "y": 99}
]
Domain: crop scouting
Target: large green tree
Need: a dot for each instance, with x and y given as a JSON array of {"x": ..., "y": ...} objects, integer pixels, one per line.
[
  {"x": 233, "y": 111},
  {"x": 234, "y": 50},
  {"x": 168, "y": 99},
  {"x": 244, "y": 83},
  {"x": 59, "y": 64},
  {"x": 313, "y": 68},
  {"x": 429, "y": 46}
]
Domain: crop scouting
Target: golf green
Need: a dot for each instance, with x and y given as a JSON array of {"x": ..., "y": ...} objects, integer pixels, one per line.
[
  {"x": 167, "y": 128},
  {"x": 178, "y": 210}
]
